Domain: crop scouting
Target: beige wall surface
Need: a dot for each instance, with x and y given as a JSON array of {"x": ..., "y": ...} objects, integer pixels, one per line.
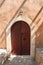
[
  {"x": 7, "y": 11},
  {"x": 3, "y": 41},
  {"x": 39, "y": 37},
  {"x": 30, "y": 9}
]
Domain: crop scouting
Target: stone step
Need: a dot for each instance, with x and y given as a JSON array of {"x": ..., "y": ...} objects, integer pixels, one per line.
[{"x": 20, "y": 61}]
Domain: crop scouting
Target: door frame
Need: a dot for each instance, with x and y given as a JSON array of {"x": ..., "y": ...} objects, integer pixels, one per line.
[{"x": 8, "y": 34}]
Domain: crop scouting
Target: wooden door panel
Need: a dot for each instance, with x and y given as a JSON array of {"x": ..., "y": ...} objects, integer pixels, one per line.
[
  {"x": 15, "y": 34},
  {"x": 20, "y": 38},
  {"x": 25, "y": 39}
]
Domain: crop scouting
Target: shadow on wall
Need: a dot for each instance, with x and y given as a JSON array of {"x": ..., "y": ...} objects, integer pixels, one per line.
[
  {"x": 1, "y": 2},
  {"x": 39, "y": 36}
]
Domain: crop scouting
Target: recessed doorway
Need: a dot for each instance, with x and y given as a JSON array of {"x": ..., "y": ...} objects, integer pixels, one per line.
[{"x": 20, "y": 38}]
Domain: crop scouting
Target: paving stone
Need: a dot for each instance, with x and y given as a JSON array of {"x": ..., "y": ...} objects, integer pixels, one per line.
[{"x": 20, "y": 61}]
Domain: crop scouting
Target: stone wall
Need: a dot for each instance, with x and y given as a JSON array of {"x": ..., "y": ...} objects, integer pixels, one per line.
[
  {"x": 39, "y": 36},
  {"x": 3, "y": 41},
  {"x": 30, "y": 9},
  {"x": 39, "y": 56},
  {"x": 8, "y": 9}
]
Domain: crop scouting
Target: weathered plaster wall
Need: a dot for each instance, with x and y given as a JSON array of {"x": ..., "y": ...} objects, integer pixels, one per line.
[
  {"x": 30, "y": 9},
  {"x": 39, "y": 37},
  {"x": 7, "y": 11},
  {"x": 3, "y": 41}
]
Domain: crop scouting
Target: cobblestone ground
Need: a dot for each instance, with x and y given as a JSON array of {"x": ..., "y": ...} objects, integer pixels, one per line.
[{"x": 20, "y": 61}]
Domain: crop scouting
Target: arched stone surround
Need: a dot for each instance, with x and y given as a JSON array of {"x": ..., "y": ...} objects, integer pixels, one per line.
[{"x": 8, "y": 35}]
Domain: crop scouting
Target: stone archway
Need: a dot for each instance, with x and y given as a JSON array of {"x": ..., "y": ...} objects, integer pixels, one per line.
[{"x": 8, "y": 35}]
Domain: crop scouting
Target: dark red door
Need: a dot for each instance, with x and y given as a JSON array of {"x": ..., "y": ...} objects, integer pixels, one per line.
[{"x": 20, "y": 38}]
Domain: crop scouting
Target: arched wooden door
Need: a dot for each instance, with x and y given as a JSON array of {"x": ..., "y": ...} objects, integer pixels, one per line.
[{"x": 20, "y": 38}]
